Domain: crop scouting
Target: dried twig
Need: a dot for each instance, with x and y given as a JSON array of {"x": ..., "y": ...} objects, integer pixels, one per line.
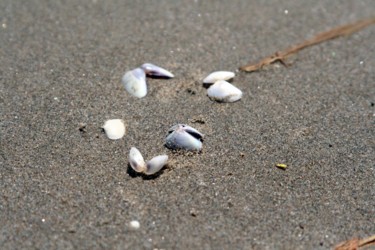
[
  {"x": 321, "y": 37},
  {"x": 355, "y": 244}
]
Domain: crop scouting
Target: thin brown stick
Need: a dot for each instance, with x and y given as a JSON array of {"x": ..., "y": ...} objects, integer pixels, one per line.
[
  {"x": 321, "y": 37},
  {"x": 366, "y": 242},
  {"x": 355, "y": 244}
]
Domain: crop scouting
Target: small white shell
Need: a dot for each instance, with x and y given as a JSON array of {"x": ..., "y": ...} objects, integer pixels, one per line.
[
  {"x": 153, "y": 70},
  {"x": 114, "y": 129},
  {"x": 218, "y": 75},
  {"x": 136, "y": 160},
  {"x": 155, "y": 164},
  {"x": 134, "y": 82},
  {"x": 223, "y": 91},
  {"x": 134, "y": 224}
]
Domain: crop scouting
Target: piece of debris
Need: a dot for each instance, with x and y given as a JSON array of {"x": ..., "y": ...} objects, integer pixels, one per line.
[
  {"x": 281, "y": 166},
  {"x": 355, "y": 244},
  {"x": 281, "y": 56},
  {"x": 82, "y": 127}
]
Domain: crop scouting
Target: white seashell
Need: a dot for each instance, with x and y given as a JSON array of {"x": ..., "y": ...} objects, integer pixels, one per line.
[
  {"x": 138, "y": 164},
  {"x": 218, "y": 75},
  {"x": 182, "y": 136},
  {"x": 223, "y": 91},
  {"x": 153, "y": 70},
  {"x": 134, "y": 82},
  {"x": 114, "y": 129},
  {"x": 134, "y": 224},
  {"x": 136, "y": 160},
  {"x": 155, "y": 164}
]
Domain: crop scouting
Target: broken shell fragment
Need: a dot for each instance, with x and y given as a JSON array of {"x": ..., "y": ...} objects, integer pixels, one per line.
[
  {"x": 138, "y": 164},
  {"x": 155, "y": 164},
  {"x": 114, "y": 129},
  {"x": 182, "y": 136},
  {"x": 134, "y": 82},
  {"x": 223, "y": 91},
  {"x": 153, "y": 70},
  {"x": 218, "y": 75}
]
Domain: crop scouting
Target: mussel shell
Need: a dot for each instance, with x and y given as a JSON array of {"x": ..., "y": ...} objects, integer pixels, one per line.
[
  {"x": 185, "y": 137},
  {"x": 134, "y": 82}
]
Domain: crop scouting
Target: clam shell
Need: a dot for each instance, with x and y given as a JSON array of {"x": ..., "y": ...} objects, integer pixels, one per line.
[
  {"x": 114, "y": 129},
  {"x": 155, "y": 164},
  {"x": 218, "y": 75},
  {"x": 153, "y": 70},
  {"x": 134, "y": 82},
  {"x": 223, "y": 91},
  {"x": 182, "y": 136},
  {"x": 136, "y": 160}
]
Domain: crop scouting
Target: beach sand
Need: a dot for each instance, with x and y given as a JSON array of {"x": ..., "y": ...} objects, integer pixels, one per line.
[{"x": 65, "y": 185}]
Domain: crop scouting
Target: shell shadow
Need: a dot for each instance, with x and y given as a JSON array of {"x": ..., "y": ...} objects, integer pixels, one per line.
[
  {"x": 181, "y": 151},
  {"x": 130, "y": 171},
  {"x": 158, "y": 77}
]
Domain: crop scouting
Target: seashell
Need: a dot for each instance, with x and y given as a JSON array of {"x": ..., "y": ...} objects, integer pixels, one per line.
[
  {"x": 155, "y": 164},
  {"x": 153, "y": 70},
  {"x": 223, "y": 91},
  {"x": 136, "y": 160},
  {"x": 138, "y": 164},
  {"x": 218, "y": 75},
  {"x": 114, "y": 129},
  {"x": 182, "y": 136},
  {"x": 134, "y": 224},
  {"x": 134, "y": 82}
]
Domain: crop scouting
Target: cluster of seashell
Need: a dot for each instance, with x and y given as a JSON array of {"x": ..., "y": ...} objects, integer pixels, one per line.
[
  {"x": 134, "y": 80},
  {"x": 221, "y": 90},
  {"x": 180, "y": 136}
]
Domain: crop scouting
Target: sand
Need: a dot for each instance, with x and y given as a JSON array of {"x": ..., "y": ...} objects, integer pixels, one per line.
[{"x": 65, "y": 185}]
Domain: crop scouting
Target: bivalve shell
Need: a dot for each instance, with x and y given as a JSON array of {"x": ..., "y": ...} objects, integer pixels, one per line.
[
  {"x": 218, "y": 75},
  {"x": 114, "y": 129},
  {"x": 153, "y": 70},
  {"x": 134, "y": 82},
  {"x": 182, "y": 136},
  {"x": 223, "y": 91},
  {"x": 138, "y": 164}
]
